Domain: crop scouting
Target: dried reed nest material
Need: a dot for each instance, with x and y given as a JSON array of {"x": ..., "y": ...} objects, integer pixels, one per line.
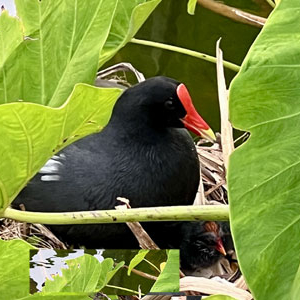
[
  {"x": 36, "y": 234},
  {"x": 213, "y": 286},
  {"x": 213, "y": 172}
]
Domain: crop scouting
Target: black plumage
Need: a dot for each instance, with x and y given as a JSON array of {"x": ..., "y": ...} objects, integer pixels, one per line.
[
  {"x": 143, "y": 154},
  {"x": 201, "y": 244}
]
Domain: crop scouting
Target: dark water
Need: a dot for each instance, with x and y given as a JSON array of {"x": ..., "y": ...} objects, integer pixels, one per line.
[{"x": 171, "y": 24}]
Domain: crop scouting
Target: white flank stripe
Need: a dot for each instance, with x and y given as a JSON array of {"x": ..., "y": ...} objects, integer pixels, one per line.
[
  {"x": 51, "y": 166},
  {"x": 50, "y": 178}
]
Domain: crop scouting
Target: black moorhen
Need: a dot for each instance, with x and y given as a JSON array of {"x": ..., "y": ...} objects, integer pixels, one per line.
[
  {"x": 201, "y": 244},
  {"x": 143, "y": 154}
]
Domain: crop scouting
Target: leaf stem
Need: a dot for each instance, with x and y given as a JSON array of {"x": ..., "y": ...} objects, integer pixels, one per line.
[
  {"x": 123, "y": 289},
  {"x": 148, "y": 214},
  {"x": 196, "y": 54},
  {"x": 153, "y": 265},
  {"x": 142, "y": 274}
]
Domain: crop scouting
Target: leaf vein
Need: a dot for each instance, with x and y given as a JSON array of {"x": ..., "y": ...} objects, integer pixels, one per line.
[
  {"x": 29, "y": 143},
  {"x": 269, "y": 179},
  {"x": 275, "y": 120}
]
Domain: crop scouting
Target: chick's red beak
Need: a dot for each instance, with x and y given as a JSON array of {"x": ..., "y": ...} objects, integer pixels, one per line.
[
  {"x": 193, "y": 121},
  {"x": 220, "y": 247}
]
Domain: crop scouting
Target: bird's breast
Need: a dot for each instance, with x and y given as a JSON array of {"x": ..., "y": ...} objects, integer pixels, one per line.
[{"x": 159, "y": 174}]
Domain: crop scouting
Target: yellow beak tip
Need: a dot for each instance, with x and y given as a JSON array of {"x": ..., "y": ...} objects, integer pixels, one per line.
[{"x": 209, "y": 134}]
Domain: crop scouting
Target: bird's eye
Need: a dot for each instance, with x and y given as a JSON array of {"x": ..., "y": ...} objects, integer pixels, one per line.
[{"x": 169, "y": 104}]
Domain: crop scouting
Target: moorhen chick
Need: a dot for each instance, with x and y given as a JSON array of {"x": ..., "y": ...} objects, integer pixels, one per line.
[{"x": 202, "y": 244}]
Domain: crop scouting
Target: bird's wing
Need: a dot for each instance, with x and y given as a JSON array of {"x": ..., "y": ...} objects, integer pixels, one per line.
[{"x": 62, "y": 184}]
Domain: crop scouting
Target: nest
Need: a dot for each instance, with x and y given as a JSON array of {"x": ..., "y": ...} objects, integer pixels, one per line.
[{"x": 36, "y": 234}]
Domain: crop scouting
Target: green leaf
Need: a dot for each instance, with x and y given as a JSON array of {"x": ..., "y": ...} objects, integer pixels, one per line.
[
  {"x": 264, "y": 173},
  {"x": 139, "y": 257},
  {"x": 106, "y": 266},
  {"x": 168, "y": 280},
  {"x": 56, "y": 296},
  {"x": 53, "y": 58},
  {"x": 191, "y": 6},
  {"x": 129, "y": 17},
  {"x": 85, "y": 274},
  {"x": 11, "y": 36},
  {"x": 112, "y": 273},
  {"x": 295, "y": 292},
  {"x": 14, "y": 274},
  {"x": 61, "y": 47},
  {"x": 107, "y": 272},
  {"x": 81, "y": 276},
  {"x": 14, "y": 269},
  {"x": 29, "y": 134}
]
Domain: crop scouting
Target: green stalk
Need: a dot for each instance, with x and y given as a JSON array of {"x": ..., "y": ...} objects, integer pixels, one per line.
[
  {"x": 123, "y": 289},
  {"x": 196, "y": 54},
  {"x": 145, "y": 214},
  {"x": 153, "y": 265}
]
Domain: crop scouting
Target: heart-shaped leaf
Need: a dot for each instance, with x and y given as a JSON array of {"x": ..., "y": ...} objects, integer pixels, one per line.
[
  {"x": 264, "y": 173},
  {"x": 31, "y": 133}
]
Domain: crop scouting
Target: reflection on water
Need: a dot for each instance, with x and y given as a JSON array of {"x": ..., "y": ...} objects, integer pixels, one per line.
[{"x": 44, "y": 263}]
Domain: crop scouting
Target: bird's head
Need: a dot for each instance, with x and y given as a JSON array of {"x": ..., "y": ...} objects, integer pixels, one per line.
[
  {"x": 202, "y": 245},
  {"x": 213, "y": 236},
  {"x": 162, "y": 102}
]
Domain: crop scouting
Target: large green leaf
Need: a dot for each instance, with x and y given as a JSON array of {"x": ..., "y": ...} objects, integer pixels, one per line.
[
  {"x": 84, "y": 274},
  {"x": 31, "y": 133},
  {"x": 168, "y": 280},
  {"x": 264, "y": 173},
  {"x": 81, "y": 276},
  {"x": 62, "y": 43},
  {"x": 14, "y": 269},
  {"x": 14, "y": 274},
  {"x": 61, "y": 48},
  {"x": 11, "y": 36}
]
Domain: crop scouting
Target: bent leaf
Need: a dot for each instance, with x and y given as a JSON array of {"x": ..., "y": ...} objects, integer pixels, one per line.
[
  {"x": 31, "y": 133},
  {"x": 139, "y": 257},
  {"x": 168, "y": 280},
  {"x": 264, "y": 173}
]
